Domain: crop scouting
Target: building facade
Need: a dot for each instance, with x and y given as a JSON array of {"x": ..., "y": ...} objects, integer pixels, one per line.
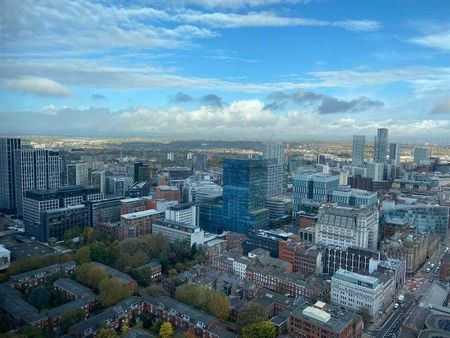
[
  {"x": 358, "y": 149},
  {"x": 8, "y": 146},
  {"x": 380, "y": 146}
]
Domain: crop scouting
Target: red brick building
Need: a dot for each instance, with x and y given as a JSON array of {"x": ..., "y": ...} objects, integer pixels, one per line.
[{"x": 168, "y": 192}]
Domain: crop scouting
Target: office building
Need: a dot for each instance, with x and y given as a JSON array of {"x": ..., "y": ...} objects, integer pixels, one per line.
[
  {"x": 244, "y": 194},
  {"x": 144, "y": 173},
  {"x": 184, "y": 213},
  {"x": 176, "y": 231},
  {"x": 421, "y": 156},
  {"x": 313, "y": 186},
  {"x": 118, "y": 185},
  {"x": 77, "y": 173},
  {"x": 54, "y": 223},
  {"x": 138, "y": 223},
  {"x": 211, "y": 215},
  {"x": 8, "y": 146},
  {"x": 198, "y": 189},
  {"x": 323, "y": 320},
  {"x": 36, "y": 202},
  {"x": 35, "y": 169},
  {"x": 358, "y": 149},
  {"x": 355, "y": 291},
  {"x": 98, "y": 179},
  {"x": 274, "y": 179},
  {"x": 139, "y": 189},
  {"x": 380, "y": 146},
  {"x": 104, "y": 211},
  {"x": 279, "y": 206},
  {"x": 394, "y": 154},
  {"x": 274, "y": 151},
  {"x": 5, "y": 258},
  {"x": 349, "y": 197},
  {"x": 346, "y": 226},
  {"x": 169, "y": 193},
  {"x": 343, "y": 177}
]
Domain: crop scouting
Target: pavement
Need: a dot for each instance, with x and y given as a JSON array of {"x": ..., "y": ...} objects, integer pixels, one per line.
[{"x": 392, "y": 325}]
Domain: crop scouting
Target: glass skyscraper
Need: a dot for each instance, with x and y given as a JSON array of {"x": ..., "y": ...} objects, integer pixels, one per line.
[
  {"x": 7, "y": 169},
  {"x": 244, "y": 194},
  {"x": 380, "y": 146},
  {"x": 359, "y": 145}
]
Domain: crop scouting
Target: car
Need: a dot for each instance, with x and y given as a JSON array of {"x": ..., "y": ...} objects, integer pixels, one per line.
[{"x": 396, "y": 306}]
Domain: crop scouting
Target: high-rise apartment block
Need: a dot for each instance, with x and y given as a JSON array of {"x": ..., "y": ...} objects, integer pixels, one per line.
[
  {"x": 274, "y": 151},
  {"x": 274, "y": 179},
  {"x": 77, "y": 173},
  {"x": 359, "y": 145},
  {"x": 380, "y": 146},
  {"x": 394, "y": 154},
  {"x": 35, "y": 169},
  {"x": 98, "y": 179},
  {"x": 8, "y": 147}
]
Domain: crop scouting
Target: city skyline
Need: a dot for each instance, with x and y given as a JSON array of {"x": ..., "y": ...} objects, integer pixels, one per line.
[{"x": 229, "y": 69}]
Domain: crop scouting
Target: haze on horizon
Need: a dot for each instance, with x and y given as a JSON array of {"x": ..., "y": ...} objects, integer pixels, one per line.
[{"x": 191, "y": 69}]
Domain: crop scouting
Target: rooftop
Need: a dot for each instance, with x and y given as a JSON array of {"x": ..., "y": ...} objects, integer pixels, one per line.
[
  {"x": 139, "y": 214},
  {"x": 123, "y": 277}
]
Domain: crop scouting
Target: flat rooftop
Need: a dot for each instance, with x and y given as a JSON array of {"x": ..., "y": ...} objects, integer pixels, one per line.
[{"x": 139, "y": 214}]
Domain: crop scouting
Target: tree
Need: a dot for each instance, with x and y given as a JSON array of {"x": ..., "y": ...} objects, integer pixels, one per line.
[
  {"x": 249, "y": 314},
  {"x": 143, "y": 276},
  {"x": 98, "y": 252},
  {"x": 83, "y": 255},
  {"x": 193, "y": 250},
  {"x": 70, "y": 318},
  {"x": 263, "y": 329},
  {"x": 112, "y": 291},
  {"x": 190, "y": 333},
  {"x": 107, "y": 333},
  {"x": 39, "y": 297},
  {"x": 72, "y": 233},
  {"x": 90, "y": 274},
  {"x": 166, "y": 330},
  {"x": 218, "y": 305},
  {"x": 88, "y": 234},
  {"x": 124, "y": 328},
  {"x": 5, "y": 323}
]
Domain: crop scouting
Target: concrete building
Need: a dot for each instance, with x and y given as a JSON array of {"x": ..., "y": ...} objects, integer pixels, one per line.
[
  {"x": 54, "y": 223},
  {"x": 98, "y": 179},
  {"x": 77, "y": 173},
  {"x": 375, "y": 171},
  {"x": 176, "y": 231},
  {"x": 380, "y": 146},
  {"x": 275, "y": 151},
  {"x": 35, "y": 169},
  {"x": 274, "y": 179},
  {"x": 394, "y": 154},
  {"x": 343, "y": 177},
  {"x": 346, "y": 226},
  {"x": 199, "y": 189},
  {"x": 139, "y": 223},
  {"x": 279, "y": 206},
  {"x": 356, "y": 291},
  {"x": 184, "y": 213},
  {"x": 8, "y": 146},
  {"x": 118, "y": 185},
  {"x": 323, "y": 320},
  {"x": 358, "y": 149}
]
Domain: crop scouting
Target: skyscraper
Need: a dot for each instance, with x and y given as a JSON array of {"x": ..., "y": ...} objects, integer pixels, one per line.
[
  {"x": 35, "y": 169},
  {"x": 421, "y": 156},
  {"x": 7, "y": 169},
  {"x": 380, "y": 146},
  {"x": 244, "y": 194},
  {"x": 394, "y": 153},
  {"x": 359, "y": 145},
  {"x": 276, "y": 151},
  {"x": 77, "y": 173}
]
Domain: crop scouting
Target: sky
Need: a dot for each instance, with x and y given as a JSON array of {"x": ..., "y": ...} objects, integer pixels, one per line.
[{"x": 226, "y": 69}]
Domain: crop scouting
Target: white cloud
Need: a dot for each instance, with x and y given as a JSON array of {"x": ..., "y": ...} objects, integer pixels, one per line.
[
  {"x": 39, "y": 86},
  {"x": 242, "y": 118},
  {"x": 439, "y": 40},
  {"x": 442, "y": 107},
  {"x": 225, "y": 4},
  {"x": 268, "y": 19}
]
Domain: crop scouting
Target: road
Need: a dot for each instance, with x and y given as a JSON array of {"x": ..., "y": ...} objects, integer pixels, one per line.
[{"x": 392, "y": 326}]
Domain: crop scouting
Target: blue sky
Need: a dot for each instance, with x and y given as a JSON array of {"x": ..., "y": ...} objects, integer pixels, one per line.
[{"x": 294, "y": 69}]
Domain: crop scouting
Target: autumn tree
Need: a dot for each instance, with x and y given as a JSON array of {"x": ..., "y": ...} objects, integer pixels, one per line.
[
  {"x": 107, "y": 333},
  {"x": 166, "y": 330},
  {"x": 112, "y": 291},
  {"x": 249, "y": 314},
  {"x": 83, "y": 255},
  {"x": 70, "y": 318},
  {"x": 218, "y": 305},
  {"x": 263, "y": 329}
]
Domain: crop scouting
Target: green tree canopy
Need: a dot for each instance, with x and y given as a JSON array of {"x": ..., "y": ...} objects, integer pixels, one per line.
[
  {"x": 263, "y": 329},
  {"x": 107, "y": 333},
  {"x": 166, "y": 330},
  {"x": 112, "y": 291},
  {"x": 83, "y": 255},
  {"x": 249, "y": 314},
  {"x": 70, "y": 318}
]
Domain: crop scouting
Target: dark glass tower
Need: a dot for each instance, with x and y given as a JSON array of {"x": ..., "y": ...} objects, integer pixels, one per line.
[
  {"x": 7, "y": 170},
  {"x": 244, "y": 194}
]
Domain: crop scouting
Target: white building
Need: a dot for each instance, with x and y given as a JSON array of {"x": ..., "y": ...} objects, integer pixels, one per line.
[
  {"x": 274, "y": 179},
  {"x": 184, "y": 213},
  {"x": 356, "y": 291},
  {"x": 176, "y": 231},
  {"x": 346, "y": 196},
  {"x": 274, "y": 151},
  {"x": 240, "y": 267},
  {"x": 5, "y": 258},
  {"x": 375, "y": 171},
  {"x": 196, "y": 190},
  {"x": 346, "y": 226},
  {"x": 343, "y": 176}
]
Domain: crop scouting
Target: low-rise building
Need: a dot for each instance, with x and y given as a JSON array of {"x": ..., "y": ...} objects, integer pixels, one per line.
[
  {"x": 154, "y": 267},
  {"x": 322, "y": 320},
  {"x": 176, "y": 231},
  {"x": 169, "y": 193},
  {"x": 138, "y": 223},
  {"x": 356, "y": 291}
]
